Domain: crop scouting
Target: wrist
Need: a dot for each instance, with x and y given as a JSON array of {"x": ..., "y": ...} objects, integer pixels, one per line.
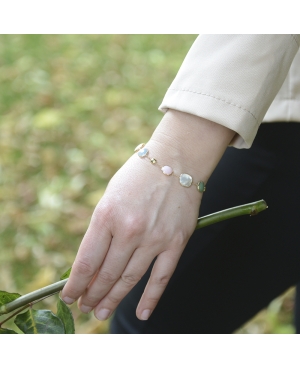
[
  {"x": 185, "y": 179},
  {"x": 189, "y": 143}
]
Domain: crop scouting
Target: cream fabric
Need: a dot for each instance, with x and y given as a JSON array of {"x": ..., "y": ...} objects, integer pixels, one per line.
[{"x": 239, "y": 81}]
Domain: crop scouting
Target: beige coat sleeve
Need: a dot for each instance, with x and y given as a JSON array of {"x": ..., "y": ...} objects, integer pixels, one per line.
[{"x": 232, "y": 80}]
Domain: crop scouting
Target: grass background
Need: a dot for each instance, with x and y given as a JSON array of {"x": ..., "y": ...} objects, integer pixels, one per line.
[{"x": 72, "y": 108}]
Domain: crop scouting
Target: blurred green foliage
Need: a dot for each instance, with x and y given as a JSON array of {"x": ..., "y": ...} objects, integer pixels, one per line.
[{"x": 72, "y": 108}]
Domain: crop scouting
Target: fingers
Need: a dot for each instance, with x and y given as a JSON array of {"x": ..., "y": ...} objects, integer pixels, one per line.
[
  {"x": 90, "y": 255},
  {"x": 161, "y": 274},
  {"x": 109, "y": 273},
  {"x": 136, "y": 268}
]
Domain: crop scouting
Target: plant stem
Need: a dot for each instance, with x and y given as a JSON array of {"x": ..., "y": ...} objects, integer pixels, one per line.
[
  {"x": 25, "y": 307},
  {"x": 15, "y": 313},
  {"x": 247, "y": 209},
  {"x": 33, "y": 296},
  {"x": 252, "y": 208}
]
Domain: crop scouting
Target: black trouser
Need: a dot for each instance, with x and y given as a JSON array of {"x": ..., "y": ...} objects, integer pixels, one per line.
[{"x": 231, "y": 270}]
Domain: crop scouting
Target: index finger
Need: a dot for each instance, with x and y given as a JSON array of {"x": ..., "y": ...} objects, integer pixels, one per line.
[{"x": 91, "y": 253}]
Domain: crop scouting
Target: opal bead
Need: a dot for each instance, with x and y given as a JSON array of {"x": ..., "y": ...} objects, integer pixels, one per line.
[
  {"x": 185, "y": 180},
  {"x": 143, "y": 152},
  {"x": 167, "y": 170}
]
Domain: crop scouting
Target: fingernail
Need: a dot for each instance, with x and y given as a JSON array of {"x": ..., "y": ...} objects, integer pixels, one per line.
[
  {"x": 102, "y": 314},
  {"x": 68, "y": 300},
  {"x": 85, "y": 309},
  {"x": 145, "y": 314}
]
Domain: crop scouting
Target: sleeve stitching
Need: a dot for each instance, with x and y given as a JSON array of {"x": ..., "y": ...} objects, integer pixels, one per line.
[
  {"x": 217, "y": 98},
  {"x": 294, "y": 38}
]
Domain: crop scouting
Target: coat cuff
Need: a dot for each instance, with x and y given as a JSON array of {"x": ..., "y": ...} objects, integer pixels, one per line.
[
  {"x": 217, "y": 110},
  {"x": 232, "y": 80}
]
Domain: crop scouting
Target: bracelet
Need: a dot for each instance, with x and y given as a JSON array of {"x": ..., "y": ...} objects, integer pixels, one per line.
[{"x": 184, "y": 179}]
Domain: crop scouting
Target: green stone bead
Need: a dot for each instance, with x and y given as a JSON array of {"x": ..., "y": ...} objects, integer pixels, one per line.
[{"x": 201, "y": 186}]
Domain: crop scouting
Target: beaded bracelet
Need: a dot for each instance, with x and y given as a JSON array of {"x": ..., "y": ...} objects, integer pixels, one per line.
[{"x": 184, "y": 179}]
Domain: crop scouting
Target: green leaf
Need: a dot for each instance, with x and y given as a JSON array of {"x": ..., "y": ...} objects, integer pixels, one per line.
[
  {"x": 66, "y": 274},
  {"x": 6, "y": 297},
  {"x": 39, "y": 322},
  {"x": 66, "y": 316},
  {"x": 7, "y": 331}
]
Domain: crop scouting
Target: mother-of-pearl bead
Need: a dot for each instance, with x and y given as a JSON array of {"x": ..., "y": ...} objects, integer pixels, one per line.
[
  {"x": 167, "y": 170},
  {"x": 185, "y": 180}
]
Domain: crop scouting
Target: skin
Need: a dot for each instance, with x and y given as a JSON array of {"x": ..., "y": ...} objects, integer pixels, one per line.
[{"x": 143, "y": 214}]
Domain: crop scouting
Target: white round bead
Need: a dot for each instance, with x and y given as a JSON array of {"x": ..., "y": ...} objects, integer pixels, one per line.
[{"x": 185, "y": 180}]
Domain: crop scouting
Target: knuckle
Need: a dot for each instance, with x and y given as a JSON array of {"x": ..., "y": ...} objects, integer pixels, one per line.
[
  {"x": 101, "y": 214},
  {"x": 106, "y": 278},
  {"x": 157, "y": 237},
  {"x": 133, "y": 226},
  {"x": 130, "y": 279},
  {"x": 90, "y": 300},
  {"x": 112, "y": 299},
  {"x": 179, "y": 239},
  {"x": 161, "y": 280},
  {"x": 83, "y": 267},
  {"x": 152, "y": 301}
]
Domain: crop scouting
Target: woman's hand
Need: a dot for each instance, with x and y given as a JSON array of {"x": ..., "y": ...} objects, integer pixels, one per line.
[{"x": 142, "y": 215}]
